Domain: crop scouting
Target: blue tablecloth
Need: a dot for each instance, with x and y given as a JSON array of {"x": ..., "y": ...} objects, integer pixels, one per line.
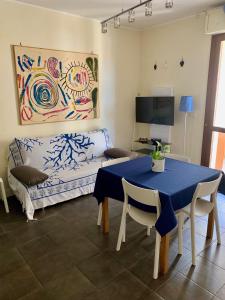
[{"x": 176, "y": 185}]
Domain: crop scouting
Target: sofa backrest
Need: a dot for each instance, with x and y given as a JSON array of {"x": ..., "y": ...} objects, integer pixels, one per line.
[{"x": 59, "y": 151}]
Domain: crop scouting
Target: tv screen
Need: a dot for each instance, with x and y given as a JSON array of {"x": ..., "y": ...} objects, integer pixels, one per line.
[{"x": 155, "y": 110}]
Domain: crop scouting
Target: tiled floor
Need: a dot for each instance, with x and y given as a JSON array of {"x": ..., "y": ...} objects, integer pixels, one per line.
[{"x": 64, "y": 255}]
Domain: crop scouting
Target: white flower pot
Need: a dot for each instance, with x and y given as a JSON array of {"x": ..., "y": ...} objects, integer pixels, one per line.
[{"x": 158, "y": 165}]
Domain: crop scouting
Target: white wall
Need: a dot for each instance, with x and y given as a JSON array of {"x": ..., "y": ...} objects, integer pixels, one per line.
[
  {"x": 119, "y": 53},
  {"x": 166, "y": 45}
]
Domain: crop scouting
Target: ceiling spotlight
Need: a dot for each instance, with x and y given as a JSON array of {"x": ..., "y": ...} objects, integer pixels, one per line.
[
  {"x": 131, "y": 16},
  {"x": 131, "y": 13},
  {"x": 116, "y": 22},
  {"x": 104, "y": 27},
  {"x": 148, "y": 9},
  {"x": 169, "y": 4}
]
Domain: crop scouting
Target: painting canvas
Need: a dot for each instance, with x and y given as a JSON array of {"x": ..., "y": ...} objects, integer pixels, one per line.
[{"x": 56, "y": 85}]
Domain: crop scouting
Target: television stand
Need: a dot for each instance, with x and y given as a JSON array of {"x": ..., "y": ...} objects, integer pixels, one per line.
[{"x": 149, "y": 146}]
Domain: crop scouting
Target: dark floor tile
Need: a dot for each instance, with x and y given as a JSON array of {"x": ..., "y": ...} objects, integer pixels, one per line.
[
  {"x": 72, "y": 285},
  {"x": 51, "y": 266},
  {"x": 133, "y": 249},
  {"x": 82, "y": 225},
  {"x": 37, "y": 248},
  {"x": 80, "y": 248},
  {"x": 221, "y": 293},
  {"x": 53, "y": 222},
  {"x": 39, "y": 295},
  {"x": 26, "y": 233},
  {"x": 200, "y": 241},
  {"x": 216, "y": 254},
  {"x": 100, "y": 269},
  {"x": 201, "y": 228},
  {"x": 102, "y": 241},
  {"x": 151, "y": 296},
  {"x": 67, "y": 232},
  {"x": 10, "y": 260},
  {"x": 181, "y": 288},
  {"x": 124, "y": 286},
  {"x": 206, "y": 274},
  {"x": 143, "y": 268},
  {"x": 17, "y": 284},
  {"x": 6, "y": 242}
]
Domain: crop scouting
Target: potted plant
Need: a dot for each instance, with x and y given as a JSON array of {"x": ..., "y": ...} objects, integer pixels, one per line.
[{"x": 158, "y": 159}]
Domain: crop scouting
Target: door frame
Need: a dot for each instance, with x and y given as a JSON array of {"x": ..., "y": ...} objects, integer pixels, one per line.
[{"x": 211, "y": 99}]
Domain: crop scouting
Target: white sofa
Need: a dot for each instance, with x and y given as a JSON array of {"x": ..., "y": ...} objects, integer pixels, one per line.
[{"x": 71, "y": 161}]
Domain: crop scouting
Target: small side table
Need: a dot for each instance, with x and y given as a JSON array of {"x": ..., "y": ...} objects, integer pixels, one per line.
[{"x": 4, "y": 195}]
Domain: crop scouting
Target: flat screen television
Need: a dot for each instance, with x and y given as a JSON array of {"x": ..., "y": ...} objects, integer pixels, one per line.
[{"x": 155, "y": 110}]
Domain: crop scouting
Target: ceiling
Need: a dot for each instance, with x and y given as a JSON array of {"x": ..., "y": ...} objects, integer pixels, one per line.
[{"x": 102, "y": 9}]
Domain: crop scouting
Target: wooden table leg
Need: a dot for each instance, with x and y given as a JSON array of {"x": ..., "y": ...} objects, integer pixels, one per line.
[
  {"x": 164, "y": 254},
  {"x": 210, "y": 227},
  {"x": 105, "y": 215}
]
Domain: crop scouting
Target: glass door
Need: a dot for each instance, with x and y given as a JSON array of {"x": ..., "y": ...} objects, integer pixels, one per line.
[{"x": 213, "y": 147}]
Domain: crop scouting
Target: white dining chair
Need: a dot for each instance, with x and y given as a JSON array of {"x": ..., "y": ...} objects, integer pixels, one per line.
[
  {"x": 106, "y": 164},
  {"x": 197, "y": 208},
  {"x": 146, "y": 197},
  {"x": 4, "y": 198},
  {"x": 178, "y": 157}
]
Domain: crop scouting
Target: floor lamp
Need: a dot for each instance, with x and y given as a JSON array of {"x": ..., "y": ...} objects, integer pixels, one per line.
[{"x": 186, "y": 105}]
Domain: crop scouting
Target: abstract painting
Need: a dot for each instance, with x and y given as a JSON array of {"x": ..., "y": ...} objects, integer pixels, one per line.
[{"x": 56, "y": 85}]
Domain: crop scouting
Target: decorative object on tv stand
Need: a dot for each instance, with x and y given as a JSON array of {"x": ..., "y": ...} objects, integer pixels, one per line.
[
  {"x": 158, "y": 159},
  {"x": 131, "y": 14},
  {"x": 186, "y": 106}
]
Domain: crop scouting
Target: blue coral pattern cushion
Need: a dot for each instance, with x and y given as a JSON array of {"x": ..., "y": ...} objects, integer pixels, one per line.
[{"x": 60, "y": 152}]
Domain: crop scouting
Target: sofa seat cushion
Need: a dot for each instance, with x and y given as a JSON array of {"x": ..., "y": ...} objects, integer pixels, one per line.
[
  {"x": 28, "y": 175},
  {"x": 118, "y": 152},
  {"x": 67, "y": 179}
]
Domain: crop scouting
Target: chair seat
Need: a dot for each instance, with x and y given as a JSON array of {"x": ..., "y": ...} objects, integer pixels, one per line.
[
  {"x": 145, "y": 218},
  {"x": 202, "y": 208}
]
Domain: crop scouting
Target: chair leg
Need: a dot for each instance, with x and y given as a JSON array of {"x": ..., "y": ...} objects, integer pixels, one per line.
[
  {"x": 217, "y": 224},
  {"x": 121, "y": 232},
  {"x": 124, "y": 230},
  {"x": 193, "y": 239},
  {"x": 4, "y": 198},
  {"x": 148, "y": 231},
  {"x": 180, "y": 233},
  {"x": 156, "y": 260},
  {"x": 99, "y": 215}
]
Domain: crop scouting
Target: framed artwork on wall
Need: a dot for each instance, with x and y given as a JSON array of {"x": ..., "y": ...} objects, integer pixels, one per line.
[{"x": 56, "y": 85}]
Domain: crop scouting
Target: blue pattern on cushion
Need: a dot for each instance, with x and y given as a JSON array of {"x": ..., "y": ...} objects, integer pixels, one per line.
[{"x": 66, "y": 148}]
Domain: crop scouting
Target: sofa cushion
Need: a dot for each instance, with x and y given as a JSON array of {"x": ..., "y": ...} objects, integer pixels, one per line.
[
  {"x": 28, "y": 175},
  {"x": 60, "y": 151},
  {"x": 118, "y": 152}
]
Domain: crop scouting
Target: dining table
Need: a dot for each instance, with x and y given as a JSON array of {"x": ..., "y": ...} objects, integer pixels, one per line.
[{"x": 176, "y": 186}]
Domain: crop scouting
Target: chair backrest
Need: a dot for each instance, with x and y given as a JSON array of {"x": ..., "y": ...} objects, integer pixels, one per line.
[
  {"x": 207, "y": 188},
  {"x": 141, "y": 195},
  {"x": 114, "y": 161},
  {"x": 178, "y": 157}
]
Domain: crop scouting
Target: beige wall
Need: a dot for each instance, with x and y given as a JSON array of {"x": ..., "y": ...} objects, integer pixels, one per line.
[
  {"x": 166, "y": 45},
  {"x": 119, "y": 53}
]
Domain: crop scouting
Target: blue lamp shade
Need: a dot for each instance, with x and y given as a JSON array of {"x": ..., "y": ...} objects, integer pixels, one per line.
[{"x": 186, "y": 104}]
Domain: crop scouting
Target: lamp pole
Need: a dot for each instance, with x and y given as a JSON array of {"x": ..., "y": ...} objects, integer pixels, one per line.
[
  {"x": 185, "y": 131},
  {"x": 186, "y": 106}
]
